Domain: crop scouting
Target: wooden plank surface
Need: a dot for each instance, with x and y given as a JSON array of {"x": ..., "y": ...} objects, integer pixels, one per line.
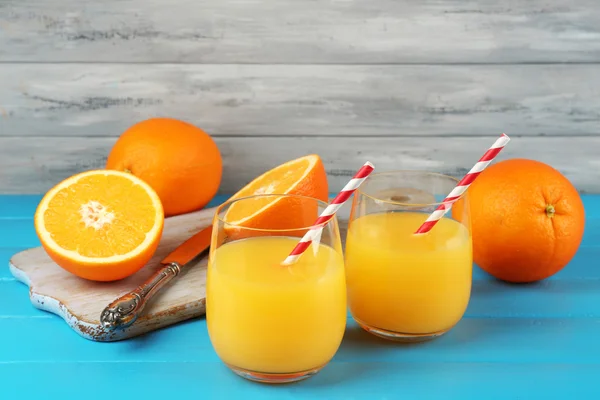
[
  {"x": 290, "y": 31},
  {"x": 343, "y": 380},
  {"x": 480, "y": 339},
  {"x": 509, "y": 334},
  {"x": 302, "y": 100},
  {"x": 36, "y": 164}
]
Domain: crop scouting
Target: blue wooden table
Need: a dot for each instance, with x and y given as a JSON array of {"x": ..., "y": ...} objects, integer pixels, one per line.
[{"x": 536, "y": 341}]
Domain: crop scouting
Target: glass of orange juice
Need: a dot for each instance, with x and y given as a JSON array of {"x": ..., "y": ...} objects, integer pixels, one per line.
[
  {"x": 267, "y": 321},
  {"x": 403, "y": 286}
]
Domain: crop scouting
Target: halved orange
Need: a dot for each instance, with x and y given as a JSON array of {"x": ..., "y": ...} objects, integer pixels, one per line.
[
  {"x": 101, "y": 225},
  {"x": 304, "y": 176}
]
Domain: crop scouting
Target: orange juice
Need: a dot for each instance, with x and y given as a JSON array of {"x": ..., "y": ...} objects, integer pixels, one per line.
[
  {"x": 404, "y": 283},
  {"x": 268, "y": 318}
]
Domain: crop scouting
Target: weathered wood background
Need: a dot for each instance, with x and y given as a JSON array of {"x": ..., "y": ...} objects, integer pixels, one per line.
[{"x": 405, "y": 84}]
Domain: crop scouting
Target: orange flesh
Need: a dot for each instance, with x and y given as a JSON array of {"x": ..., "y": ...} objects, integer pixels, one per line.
[
  {"x": 278, "y": 180},
  {"x": 118, "y": 214}
]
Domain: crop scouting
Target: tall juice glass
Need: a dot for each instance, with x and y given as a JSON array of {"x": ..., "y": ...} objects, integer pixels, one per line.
[
  {"x": 268, "y": 322},
  {"x": 403, "y": 286}
]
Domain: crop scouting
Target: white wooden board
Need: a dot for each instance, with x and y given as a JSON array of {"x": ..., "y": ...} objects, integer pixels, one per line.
[
  {"x": 302, "y": 100},
  {"x": 35, "y": 165},
  {"x": 292, "y": 31},
  {"x": 271, "y": 80}
]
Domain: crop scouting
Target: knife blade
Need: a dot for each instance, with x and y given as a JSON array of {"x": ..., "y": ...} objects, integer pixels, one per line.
[
  {"x": 125, "y": 310},
  {"x": 190, "y": 249}
]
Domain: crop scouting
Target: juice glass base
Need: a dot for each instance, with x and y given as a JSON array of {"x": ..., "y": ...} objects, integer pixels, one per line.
[
  {"x": 399, "y": 336},
  {"x": 263, "y": 377}
]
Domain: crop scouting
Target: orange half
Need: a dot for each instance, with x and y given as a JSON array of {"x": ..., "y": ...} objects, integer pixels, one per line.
[
  {"x": 304, "y": 176},
  {"x": 101, "y": 225}
]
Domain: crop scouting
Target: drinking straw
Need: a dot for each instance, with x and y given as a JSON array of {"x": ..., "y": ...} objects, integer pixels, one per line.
[
  {"x": 464, "y": 183},
  {"x": 315, "y": 230}
]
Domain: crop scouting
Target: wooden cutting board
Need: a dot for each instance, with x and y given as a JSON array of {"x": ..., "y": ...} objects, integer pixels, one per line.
[{"x": 79, "y": 302}]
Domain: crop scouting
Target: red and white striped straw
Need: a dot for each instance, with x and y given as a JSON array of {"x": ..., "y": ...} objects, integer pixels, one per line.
[
  {"x": 463, "y": 185},
  {"x": 327, "y": 214}
]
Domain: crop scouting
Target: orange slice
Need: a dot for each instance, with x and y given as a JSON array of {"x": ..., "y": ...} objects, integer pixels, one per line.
[
  {"x": 303, "y": 176},
  {"x": 100, "y": 225}
]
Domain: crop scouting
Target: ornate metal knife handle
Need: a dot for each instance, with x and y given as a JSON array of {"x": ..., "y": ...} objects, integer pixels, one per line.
[{"x": 126, "y": 309}]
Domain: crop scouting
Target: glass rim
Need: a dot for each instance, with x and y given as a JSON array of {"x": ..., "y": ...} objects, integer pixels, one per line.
[
  {"x": 230, "y": 202},
  {"x": 361, "y": 189}
]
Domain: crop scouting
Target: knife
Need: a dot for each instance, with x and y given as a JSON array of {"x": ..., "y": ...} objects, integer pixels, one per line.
[{"x": 123, "y": 311}]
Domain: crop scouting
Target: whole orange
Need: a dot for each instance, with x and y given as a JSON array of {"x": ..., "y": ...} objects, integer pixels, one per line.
[
  {"x": 180, "y": 161},
  {"x": 527, "y": 219}
]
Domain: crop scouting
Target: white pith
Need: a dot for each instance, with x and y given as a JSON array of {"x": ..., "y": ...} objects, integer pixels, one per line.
[
  {"x": 95, "y": 215},
  {"x": 267, "y": 190}
]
